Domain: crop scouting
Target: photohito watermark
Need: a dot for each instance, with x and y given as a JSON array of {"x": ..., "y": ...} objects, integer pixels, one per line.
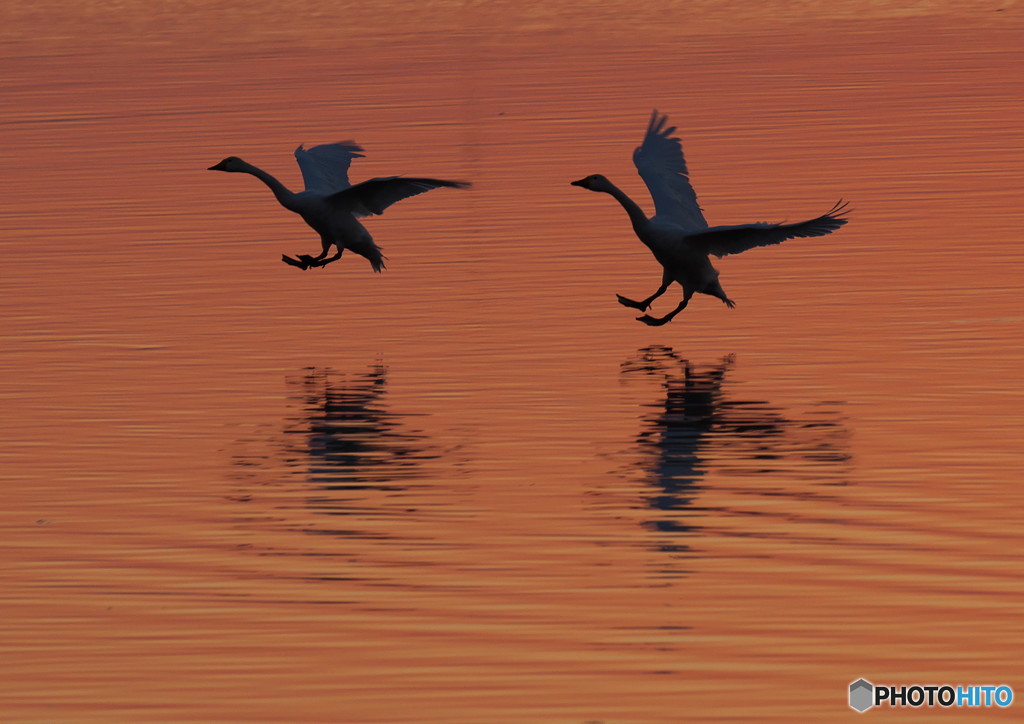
[{"x": 864, "y": 695}]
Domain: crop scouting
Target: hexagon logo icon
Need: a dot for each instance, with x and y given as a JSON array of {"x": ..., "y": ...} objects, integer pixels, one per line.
[{"x": 861, "y": 695}]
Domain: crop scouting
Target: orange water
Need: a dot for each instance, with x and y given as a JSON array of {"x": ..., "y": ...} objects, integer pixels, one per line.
[{"x": 473, "y": 488}]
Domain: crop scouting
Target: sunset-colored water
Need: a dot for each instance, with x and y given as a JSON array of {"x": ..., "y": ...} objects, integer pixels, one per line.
[{"x": 473, "y": 488}]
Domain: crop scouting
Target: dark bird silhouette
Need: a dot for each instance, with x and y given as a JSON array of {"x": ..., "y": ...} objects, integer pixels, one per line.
[
  {"x": 331, "y": 205},
  {"x": 678, "y": 235}
]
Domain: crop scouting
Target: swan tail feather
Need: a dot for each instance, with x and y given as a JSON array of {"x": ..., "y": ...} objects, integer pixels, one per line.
[{"x": 377, "y": 261}]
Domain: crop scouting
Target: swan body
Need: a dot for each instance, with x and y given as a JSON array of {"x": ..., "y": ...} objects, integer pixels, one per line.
[
  {"x": 331, "y": 205},
  {"x": 677, "y": 234}
]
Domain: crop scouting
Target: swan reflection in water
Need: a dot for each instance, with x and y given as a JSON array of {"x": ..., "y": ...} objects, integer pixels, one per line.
[
  {"x": 698, "y": 426},
  {"x": 344, "y": 452},
  {"x": 348, "y": 437}
]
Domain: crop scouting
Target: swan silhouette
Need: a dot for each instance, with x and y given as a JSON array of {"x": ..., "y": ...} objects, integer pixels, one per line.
[
  {"x": 331, "y": 205},
  {"x": 678, "y": 235}
]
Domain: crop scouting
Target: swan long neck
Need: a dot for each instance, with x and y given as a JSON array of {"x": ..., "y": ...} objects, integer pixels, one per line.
[
  {"x": 637, "y": 217},
  {"x": 281, "y": 191}
]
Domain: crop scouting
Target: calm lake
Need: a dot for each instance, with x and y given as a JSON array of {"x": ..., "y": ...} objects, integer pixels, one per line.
[{"x": 473, "y": 488}]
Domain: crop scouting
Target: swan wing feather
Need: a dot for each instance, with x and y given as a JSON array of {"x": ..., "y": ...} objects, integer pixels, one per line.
[
  {"x": 375, "y": 195},
  {"x": 325, "y": 167},
  {"x": 660, "y": 163},
  {"x": 724, "y": 240}
]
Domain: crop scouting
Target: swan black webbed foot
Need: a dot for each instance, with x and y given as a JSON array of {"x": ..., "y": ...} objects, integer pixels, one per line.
[
  {"x": 310, "y": 261},
  {"x": 632, "y": 304},
  {"x": 301, "y": 262},
  {"x": 653, "y": 321}
]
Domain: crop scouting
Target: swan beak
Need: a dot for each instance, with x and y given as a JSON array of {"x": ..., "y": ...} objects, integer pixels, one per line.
[
  {"x": 215, "y": 167},
  {"x": 578, "y": 183}
]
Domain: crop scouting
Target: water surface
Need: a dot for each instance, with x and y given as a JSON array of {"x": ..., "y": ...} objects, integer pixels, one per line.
[{"x": 473, "y": 488}]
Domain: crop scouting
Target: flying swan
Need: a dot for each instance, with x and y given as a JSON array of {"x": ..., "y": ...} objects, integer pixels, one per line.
[
  {"x": 331, "y": 205},
  {"x": 678, "y": 235}
]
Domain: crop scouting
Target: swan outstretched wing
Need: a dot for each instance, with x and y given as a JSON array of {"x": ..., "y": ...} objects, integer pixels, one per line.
[
  {"x": 723, "y": 240},
  {"x": 325, "y": 167},
  {"x": 376, "y": 194},
  {"x": 659, "y": 160}
]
